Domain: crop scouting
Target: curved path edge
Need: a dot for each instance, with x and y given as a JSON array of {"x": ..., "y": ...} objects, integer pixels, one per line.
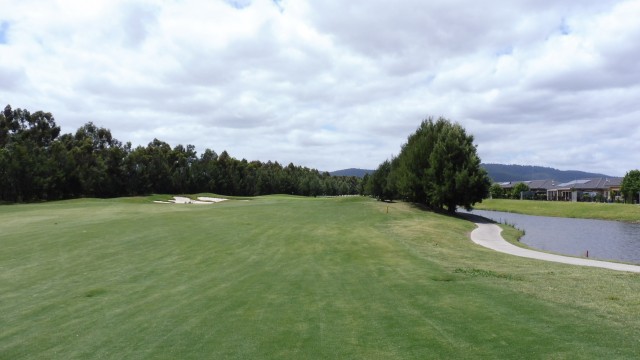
[{"x": 489, "y": 235}]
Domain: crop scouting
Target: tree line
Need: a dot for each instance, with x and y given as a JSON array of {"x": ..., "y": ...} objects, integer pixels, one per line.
[
  {"x": 438, "y": 166},
  {"x": 37, "y": 163}
]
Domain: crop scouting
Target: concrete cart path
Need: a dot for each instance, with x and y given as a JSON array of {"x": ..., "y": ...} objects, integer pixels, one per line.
[{"x": 489, "y": 235}]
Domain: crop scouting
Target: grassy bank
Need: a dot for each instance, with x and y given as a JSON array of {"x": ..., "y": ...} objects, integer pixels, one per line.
[
  {"x": 288, "y": 277},
  {"x": 618, "y": 212}
]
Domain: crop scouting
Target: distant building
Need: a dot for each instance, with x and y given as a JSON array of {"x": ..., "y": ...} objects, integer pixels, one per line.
[
  {"x": 596, "y": 189},
  {"x": 593, "y": 189},
  {"x": 537, "y": 188}
]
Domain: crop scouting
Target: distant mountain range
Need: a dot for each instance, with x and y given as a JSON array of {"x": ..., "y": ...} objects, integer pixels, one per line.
[
  {"x": 503, "y": 173},
  {"x": 352, "y": 172}
]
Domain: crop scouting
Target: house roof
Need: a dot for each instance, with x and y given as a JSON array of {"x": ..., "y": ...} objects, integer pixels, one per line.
[
  {"x": 591, "y": 184},
  {"x": 532, "y": 184},
  {"x": 579, "y": 184}
]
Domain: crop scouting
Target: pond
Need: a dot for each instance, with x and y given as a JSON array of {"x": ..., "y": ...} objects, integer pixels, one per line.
[{"x": 604, "y": 240}]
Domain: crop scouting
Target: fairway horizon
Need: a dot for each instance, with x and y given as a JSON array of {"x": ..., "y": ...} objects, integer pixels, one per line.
[{"x": 290, "y": 277}]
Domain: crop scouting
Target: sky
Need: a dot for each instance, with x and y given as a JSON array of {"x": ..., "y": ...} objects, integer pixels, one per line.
[{"x": 336, "y": 84}]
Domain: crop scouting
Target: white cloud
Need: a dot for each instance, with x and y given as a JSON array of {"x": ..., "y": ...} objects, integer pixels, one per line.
[{"x": 334, "y": 84}]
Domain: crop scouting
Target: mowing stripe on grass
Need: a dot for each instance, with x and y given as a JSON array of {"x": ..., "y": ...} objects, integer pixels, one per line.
[{"x": 289, "y": 277}]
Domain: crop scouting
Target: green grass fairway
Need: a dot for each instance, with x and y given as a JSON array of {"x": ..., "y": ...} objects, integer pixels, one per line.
[
  {"x": 291, "y": 278},
  {"x": 618, "y": 212}
]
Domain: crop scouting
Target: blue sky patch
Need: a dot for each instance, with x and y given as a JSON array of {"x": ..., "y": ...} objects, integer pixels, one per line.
[
  {"x": 4, "y": 29},
  {"x": 507, "y": 50},
  {"x": 564, "y": 27},
  {"x": 278, "y": 4},
  {"x": 239, "y": 4}
]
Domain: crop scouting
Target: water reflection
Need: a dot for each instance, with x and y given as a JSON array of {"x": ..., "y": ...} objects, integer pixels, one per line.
[{"x": 605, "y": 240}]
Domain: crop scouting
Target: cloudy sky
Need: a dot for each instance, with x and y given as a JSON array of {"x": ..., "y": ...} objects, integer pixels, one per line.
[{"x": 335, "y": 84}]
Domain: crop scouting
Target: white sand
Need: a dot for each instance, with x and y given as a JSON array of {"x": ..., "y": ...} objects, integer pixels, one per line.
[
  {"x": 210, "y": 199},
  {"x": 186, "y": 200}
]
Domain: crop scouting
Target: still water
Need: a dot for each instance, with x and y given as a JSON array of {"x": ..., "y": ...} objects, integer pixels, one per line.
[{"x": 604, "y": 240}]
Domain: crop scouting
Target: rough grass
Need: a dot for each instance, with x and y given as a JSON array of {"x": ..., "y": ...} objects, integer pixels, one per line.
[
  {"x": 618, "y": 212},
  {"x": 287, "y": 277}
]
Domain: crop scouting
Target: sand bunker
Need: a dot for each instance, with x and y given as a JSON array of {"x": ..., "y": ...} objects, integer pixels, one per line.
[{"x": 186, "y": 200}]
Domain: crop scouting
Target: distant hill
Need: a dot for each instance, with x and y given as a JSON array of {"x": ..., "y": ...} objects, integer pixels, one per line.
[
  {"x": 503, "y": 173},
  {"x": 351, "y": 172}
]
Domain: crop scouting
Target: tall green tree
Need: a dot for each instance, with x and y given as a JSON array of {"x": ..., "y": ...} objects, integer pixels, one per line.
[
  {"x": 181, "y": 161},
  {"x": 631, "y": 186},
  {"x": 25, "y": 163},
  {"x": 383, "y": 185},
  {"x": 518, "y": 189},
  {"x": 159, "y": 156},
  {"x": 365, "y": 186},
  {"x": 439, "y": 167},
  {"x": 496, "y": 191},
  {"x": 99, "y": 161},
  {"x": 205, "y": 171}
]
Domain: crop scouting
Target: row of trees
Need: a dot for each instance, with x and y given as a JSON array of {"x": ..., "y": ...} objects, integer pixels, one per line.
[
  {"x": 438, "y": 167},
  {"x": 38, "y": 163},
  {"x": 497, "y": 192}
]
